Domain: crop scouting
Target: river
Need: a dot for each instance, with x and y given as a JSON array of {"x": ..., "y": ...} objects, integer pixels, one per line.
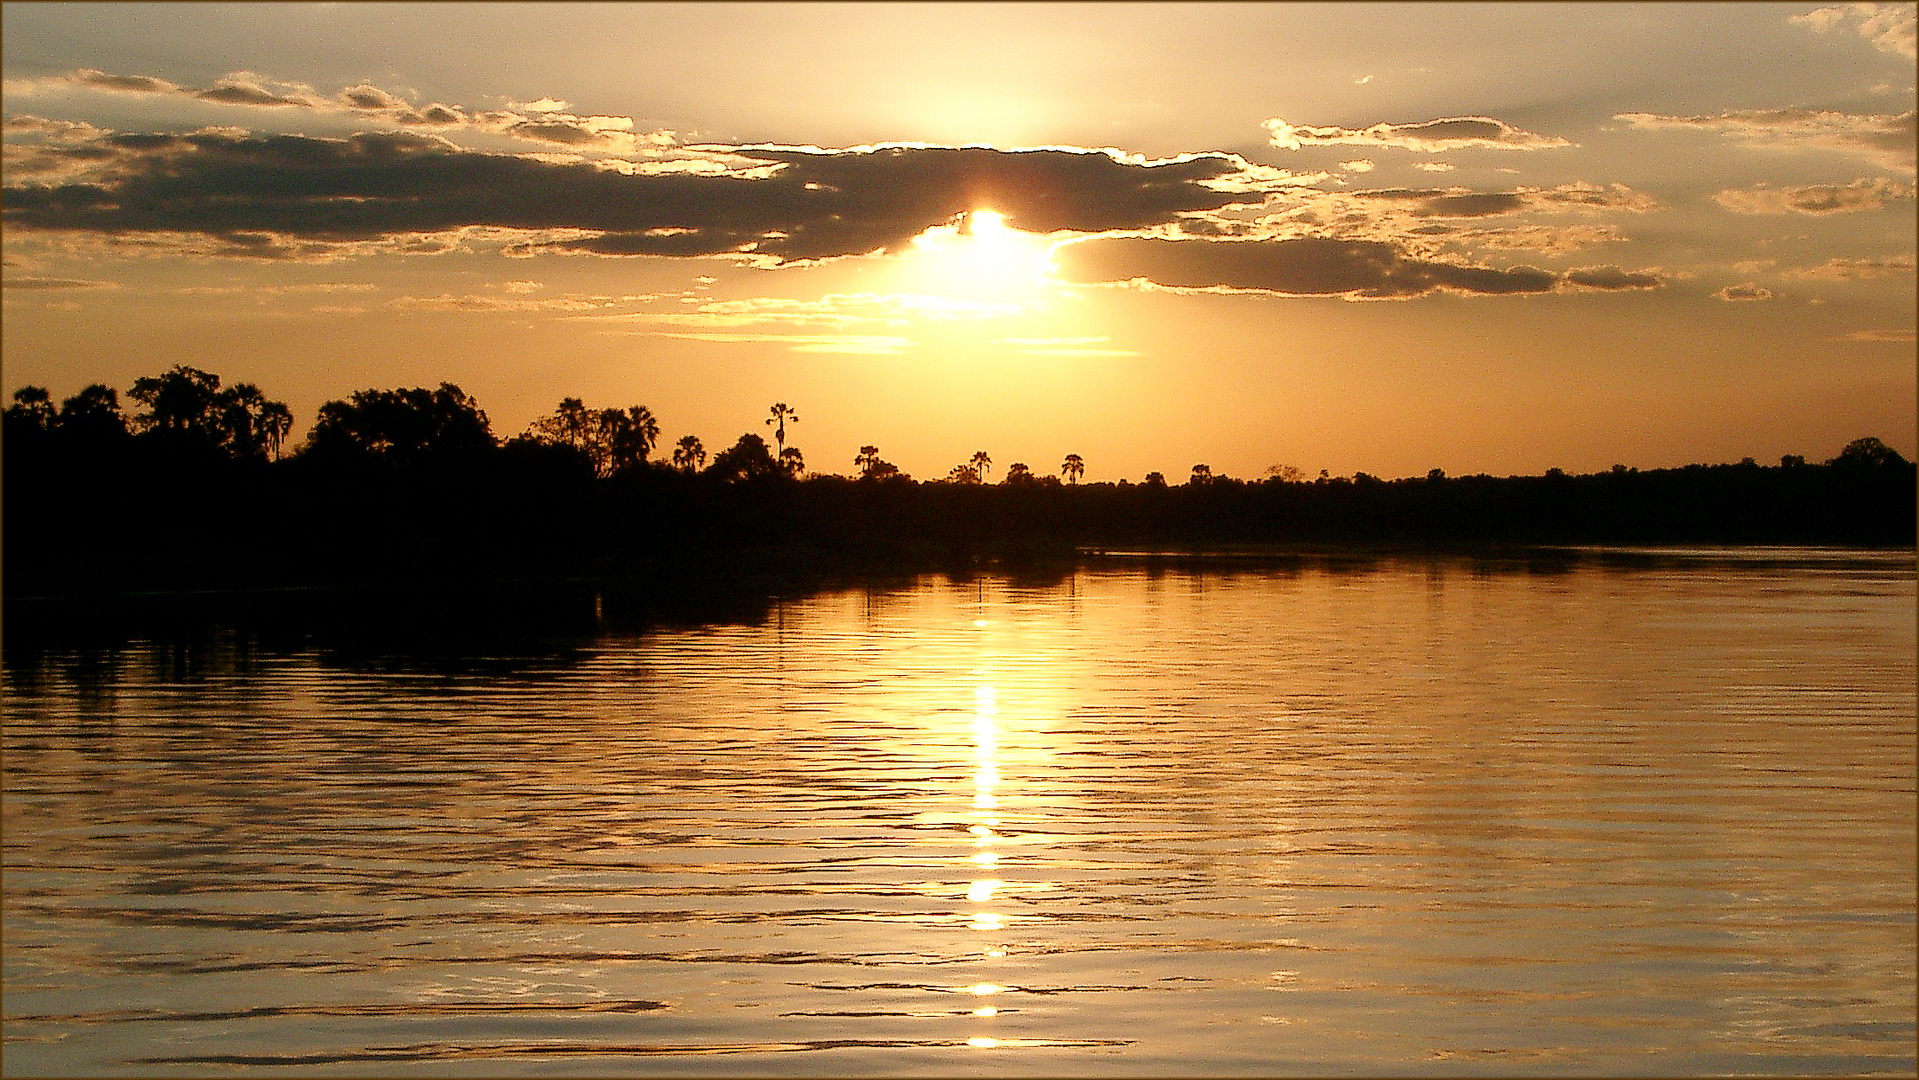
[{"x": 1609, "y": 813}]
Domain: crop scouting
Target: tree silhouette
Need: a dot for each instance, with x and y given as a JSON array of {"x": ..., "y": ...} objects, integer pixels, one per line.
[
  {"x": 1017, "y": 474},
  {"x": 781, "y": 414},
  {"x": 1202, "y": 474},
  {"x": 623, "y": 439},
  {"x": 963, "y": 474},
  {"x": 32, "y": 410},
  {"x": 688, "y": 454},
  {"x": 872, "y": 466},
  {"x": 1867, "y": 453},
  {"x": 178, "y": 401},
  {"x": 187, "y": 406},
  {"x": 747, "y": 459},
  {"x": 401, "y": 424},
  {"x": 981, "y": 463},
  {"x": 570, "y": 425},
  {"x": 94, "y": 414},
  {"x": 251, "y": 425},
  {"x": 611, "y": 439},
  {"x": 1073, "y": 468},
  {"x": 792, "y": 462}
]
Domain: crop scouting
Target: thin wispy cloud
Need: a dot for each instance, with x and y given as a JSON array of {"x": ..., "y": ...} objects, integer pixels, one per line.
[
  {"x": 33, "y": 283},
  {"x": 1460, "y": 202},
  {"x": 1883, "y": 336},
  {"x": 838, "y": 310},
  {"x": 1064, "y": 347},
  {"x": 1860, "y": 195},
  {"x": 1429, "y": 136},
  {"x": 1546, "y": 239},
  {"x": 1854, "y": 269},
  {"x": 1423, "y": 221},
  {"x": 852, "y": 344},
  {"x": 1314, "y": 266},
  {"x": 1887, "y": 139},
  {"x": 481, "y": 302},
  {"x": 544, "y": 120}
]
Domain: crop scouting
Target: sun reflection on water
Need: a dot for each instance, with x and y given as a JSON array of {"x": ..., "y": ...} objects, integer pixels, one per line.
[
  {"x": 984, "y": 989},
  {"x": 986, "y": 776}
]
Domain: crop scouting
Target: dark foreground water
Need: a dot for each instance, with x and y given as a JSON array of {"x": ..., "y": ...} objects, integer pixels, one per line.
[{"x": 1608, "y": 815}]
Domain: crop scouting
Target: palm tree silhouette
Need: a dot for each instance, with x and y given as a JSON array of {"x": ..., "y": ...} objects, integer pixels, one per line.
[
  {"x": 781, "y": 414},
  {"x": 272, "y": 425},
  {"x": 981, "y": 463},
  {"x": 1073, "y": 468},
  {"x": 688, "y": 453},
  {"x": 618, "y": 440}
]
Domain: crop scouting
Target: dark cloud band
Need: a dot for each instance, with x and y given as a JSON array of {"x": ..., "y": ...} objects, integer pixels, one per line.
[{"x": 808, "y": 205}]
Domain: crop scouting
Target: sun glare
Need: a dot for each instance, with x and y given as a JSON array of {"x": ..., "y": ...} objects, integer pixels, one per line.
[
  {"x": 984, "y": 223},
  {"x": 978, "y": 257}
]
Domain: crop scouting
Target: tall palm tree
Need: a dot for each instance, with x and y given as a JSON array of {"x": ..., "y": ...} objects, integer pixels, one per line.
[
  {"x": 981, "y": 463},
  {"x": 1073, "y": 468},
  {"x": 627, "y": 436},
  {"x": 688, "y": 453},
  {"x": 781, "y": 414},
  {"x": 274, "y": 421}
]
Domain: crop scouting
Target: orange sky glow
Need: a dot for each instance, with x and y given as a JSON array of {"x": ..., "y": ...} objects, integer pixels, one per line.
[{"x": 1380, "y": 238}]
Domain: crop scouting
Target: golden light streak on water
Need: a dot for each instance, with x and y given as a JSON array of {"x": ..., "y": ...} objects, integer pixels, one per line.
[
  {"x": 985, "y": 778},
  {"x": 984, "y": 989}
]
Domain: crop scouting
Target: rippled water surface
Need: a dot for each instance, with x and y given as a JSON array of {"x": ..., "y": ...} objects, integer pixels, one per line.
[{"x": 1408, "y": 816}]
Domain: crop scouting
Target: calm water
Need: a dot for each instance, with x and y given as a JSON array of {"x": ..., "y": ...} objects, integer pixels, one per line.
[{"x": 1641, "y": 816}]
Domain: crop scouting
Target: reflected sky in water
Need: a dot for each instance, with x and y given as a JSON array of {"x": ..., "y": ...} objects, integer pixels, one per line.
[{"x": 1402, "y": 816}]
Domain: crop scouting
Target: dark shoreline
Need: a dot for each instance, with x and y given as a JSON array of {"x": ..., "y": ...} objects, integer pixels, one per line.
[{"x": 512, "y": 614}]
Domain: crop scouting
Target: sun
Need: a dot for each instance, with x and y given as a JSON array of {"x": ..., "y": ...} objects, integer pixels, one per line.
[
  {"x": 983, "y": 223},
  {"x": 978, "y": 257}
]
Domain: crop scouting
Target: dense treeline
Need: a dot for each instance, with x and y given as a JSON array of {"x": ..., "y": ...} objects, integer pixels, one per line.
[{"x": 196, "y": 491}]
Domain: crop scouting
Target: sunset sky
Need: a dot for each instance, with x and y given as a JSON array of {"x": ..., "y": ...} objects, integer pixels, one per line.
[{"x": 1381, "y": 238}]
